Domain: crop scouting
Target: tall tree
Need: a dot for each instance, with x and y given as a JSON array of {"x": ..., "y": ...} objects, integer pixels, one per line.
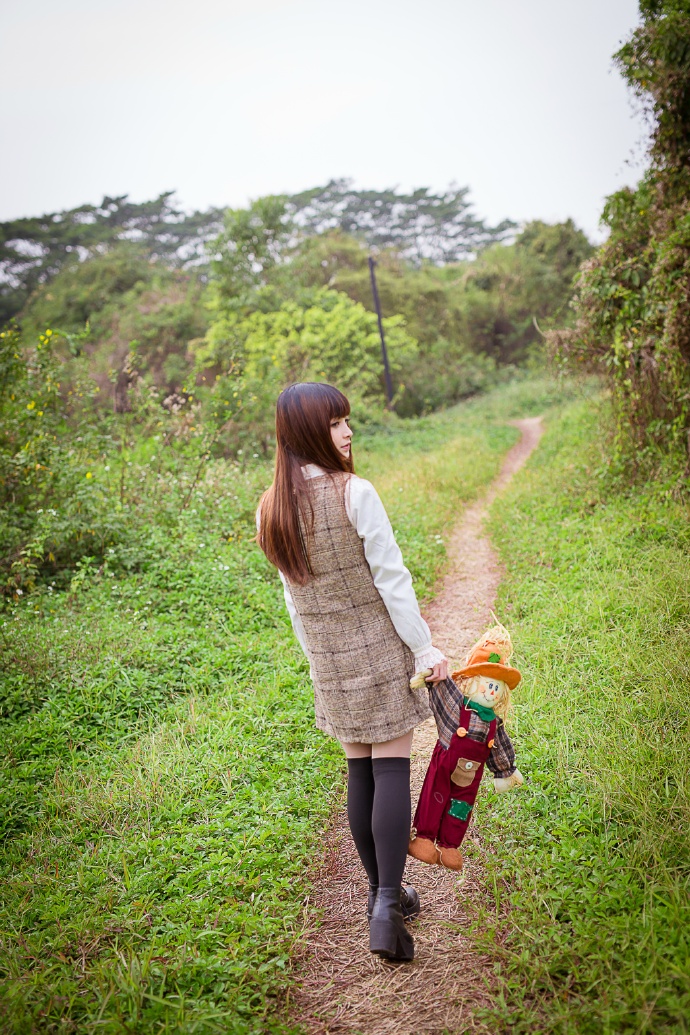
[
  {"x": 34, "y": 250},
  {"x": 423, "y": 226},
  {"x": 250, "y": 244}
]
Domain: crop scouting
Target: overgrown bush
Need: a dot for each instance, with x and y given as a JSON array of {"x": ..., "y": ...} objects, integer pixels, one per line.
[
  {"x": 78, "y": 485},
  {"x": 327, "y": 338},
  {"x": 117, "y": 306},
  {"x": 633, "y": 300}
]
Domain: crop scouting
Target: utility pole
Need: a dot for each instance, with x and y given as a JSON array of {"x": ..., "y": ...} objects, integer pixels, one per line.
[{"x": 384, "y": 354}]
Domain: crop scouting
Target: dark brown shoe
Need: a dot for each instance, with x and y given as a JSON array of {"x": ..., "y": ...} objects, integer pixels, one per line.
[
  {"x": 409, "y": 901},
  {"x": 388, "y": 936}
]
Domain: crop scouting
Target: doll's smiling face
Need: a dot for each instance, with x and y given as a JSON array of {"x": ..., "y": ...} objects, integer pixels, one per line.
[{"x": 486, "y": 690}]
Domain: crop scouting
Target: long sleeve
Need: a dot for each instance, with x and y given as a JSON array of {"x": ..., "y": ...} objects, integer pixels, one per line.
[
  {"x": 391, "y": 578},
  {"x": 501, "y": 760}
]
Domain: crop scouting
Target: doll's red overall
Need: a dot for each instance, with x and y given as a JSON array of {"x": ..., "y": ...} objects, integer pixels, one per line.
[{"x": 478, "y": 738}]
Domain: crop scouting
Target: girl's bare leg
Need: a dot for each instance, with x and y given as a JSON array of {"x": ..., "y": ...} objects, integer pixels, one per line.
[
  {"x": 356, "y": 750},
  {"x": 401, "y": 747}
]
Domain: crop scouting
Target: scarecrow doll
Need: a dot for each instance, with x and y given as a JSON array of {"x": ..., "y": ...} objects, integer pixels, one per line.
[{"x": 469, "y": 715}]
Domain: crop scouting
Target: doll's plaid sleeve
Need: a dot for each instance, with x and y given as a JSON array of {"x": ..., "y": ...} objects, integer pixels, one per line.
[{"x": 501, "y": 760}]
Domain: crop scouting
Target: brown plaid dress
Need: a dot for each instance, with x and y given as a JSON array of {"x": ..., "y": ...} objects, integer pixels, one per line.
[{"x": 360, "y": 666}]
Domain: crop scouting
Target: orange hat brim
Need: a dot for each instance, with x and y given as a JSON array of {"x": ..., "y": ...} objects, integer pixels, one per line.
[{"x": 509, "y": 675}]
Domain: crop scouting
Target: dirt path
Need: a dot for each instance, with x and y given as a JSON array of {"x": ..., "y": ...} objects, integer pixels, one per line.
[{"x": 343, "y": 987}]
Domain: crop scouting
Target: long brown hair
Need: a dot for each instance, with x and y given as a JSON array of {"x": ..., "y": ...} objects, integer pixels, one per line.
[{"x": 303, "y": 436}]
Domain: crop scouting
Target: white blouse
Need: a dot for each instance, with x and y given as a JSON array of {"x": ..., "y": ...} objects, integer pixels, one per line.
[{"x": 391, "y": 578}]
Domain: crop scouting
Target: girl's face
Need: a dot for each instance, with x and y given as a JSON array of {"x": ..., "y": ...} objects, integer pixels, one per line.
[{"x": 341, "y": 433}]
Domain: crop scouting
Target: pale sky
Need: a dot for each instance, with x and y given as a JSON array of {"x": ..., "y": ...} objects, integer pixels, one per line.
[{"x": 226, "y": 101}]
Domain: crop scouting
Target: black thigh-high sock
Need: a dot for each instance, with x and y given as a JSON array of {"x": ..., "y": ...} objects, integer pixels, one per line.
[
  {"x": 390, "y": 822},
  {"x": 360, "y": 803}
]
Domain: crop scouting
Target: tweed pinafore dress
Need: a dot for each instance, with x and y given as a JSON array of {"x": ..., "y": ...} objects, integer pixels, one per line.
[{"x": 360, "y": 667}]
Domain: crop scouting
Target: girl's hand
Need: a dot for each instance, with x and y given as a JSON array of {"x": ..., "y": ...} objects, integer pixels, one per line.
[
  {"x": 431, "y": 666},
  {"x": 439, "y": 673}
]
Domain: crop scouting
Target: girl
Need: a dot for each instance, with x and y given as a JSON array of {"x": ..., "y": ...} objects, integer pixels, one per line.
[{"x": 354, "y": 612}]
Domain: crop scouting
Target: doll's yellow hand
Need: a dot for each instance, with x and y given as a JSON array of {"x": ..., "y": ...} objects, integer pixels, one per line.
[
  {"x": 506, "y": 783},
  {"x": 418, "y": 681}
]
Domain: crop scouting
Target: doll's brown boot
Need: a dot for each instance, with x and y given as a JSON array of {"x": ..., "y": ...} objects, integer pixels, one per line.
[
  {"x": 423, "y": 849},
  {"x": 450, "y": 858}
]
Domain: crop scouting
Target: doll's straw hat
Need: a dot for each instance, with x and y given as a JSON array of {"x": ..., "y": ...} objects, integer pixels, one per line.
[{"x": 489, "y": 657}]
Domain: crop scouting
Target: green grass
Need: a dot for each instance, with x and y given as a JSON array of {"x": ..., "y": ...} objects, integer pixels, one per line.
[
  {"x": 163, "y": 789},
  {"x": 590, "y": 861}
]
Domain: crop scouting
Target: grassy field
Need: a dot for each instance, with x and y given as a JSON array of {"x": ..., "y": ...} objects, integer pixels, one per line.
[
  {"x": 163, "y": 788},
  {"x": 590, "y": 861}
]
